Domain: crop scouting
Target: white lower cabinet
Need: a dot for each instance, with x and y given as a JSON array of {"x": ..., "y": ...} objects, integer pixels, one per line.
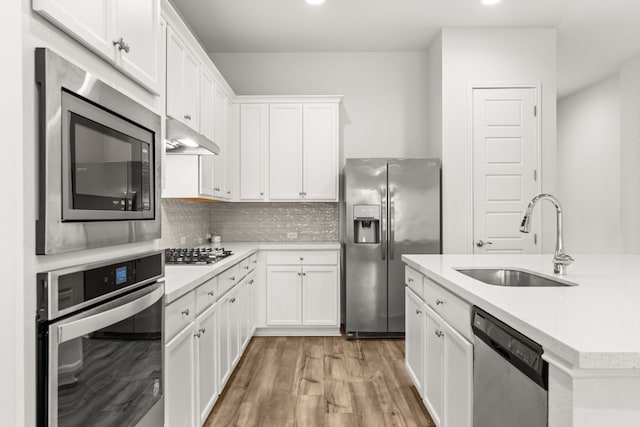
[
  {"x": 414, "y": 338},
  {"x": 439, "y": 357},
  {"x": 252, "y": 312},
  {"x": 433, "y": 394},
  {"x": 206, "y": 379},
  {"x": 180, "y": 371},
  {"x": 284, "y": 293},
  {"x": 320, "y": 296},
  {"x": 224, "y": 361},
  {"x": 234, "y": 326}
]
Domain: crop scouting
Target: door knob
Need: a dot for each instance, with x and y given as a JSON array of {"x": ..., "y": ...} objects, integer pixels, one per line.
[{"x": 481, "y": 243}]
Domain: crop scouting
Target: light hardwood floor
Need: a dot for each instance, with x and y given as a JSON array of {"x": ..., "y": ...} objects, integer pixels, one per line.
[{"x": 320, "y": 381}]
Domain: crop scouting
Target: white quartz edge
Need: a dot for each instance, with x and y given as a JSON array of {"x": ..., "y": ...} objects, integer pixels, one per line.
[
  {"x": 566, "y": 343},
  {"x": 182, "y": 279}
]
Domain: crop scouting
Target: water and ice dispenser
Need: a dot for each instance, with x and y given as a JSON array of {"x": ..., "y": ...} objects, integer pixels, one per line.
[{"x": 366, "y": 224}]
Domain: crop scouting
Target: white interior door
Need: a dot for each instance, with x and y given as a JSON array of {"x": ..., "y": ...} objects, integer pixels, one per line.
[{"x": 505, "y": 147}]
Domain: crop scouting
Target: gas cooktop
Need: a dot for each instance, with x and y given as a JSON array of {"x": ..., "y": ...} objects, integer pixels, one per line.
[{"x": 195, "y": 256}]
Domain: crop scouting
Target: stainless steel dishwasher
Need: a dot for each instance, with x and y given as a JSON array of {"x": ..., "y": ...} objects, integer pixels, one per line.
[{"x": 510, "y": 379}]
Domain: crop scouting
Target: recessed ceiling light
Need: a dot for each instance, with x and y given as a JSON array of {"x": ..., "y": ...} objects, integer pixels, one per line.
[
  {"x": 490, "y": 2},
  {"x": 314, "y": 2}
]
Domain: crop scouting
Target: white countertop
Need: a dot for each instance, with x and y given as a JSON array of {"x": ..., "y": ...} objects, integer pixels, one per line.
[
  {"x": 595, "y": 325},
  {"x": 181, "y": 279}
]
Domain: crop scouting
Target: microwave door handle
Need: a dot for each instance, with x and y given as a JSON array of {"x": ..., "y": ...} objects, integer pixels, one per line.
[{"x": 125, "y": 308}]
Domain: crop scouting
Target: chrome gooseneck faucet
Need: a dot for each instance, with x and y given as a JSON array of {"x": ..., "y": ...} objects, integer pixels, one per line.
[{"x": 560, "y": 259}]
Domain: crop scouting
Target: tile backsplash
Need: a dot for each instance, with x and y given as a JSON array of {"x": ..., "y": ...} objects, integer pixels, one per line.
[
  {"x": 247, "y": 222},
  {"x": 270, "y": 222}
]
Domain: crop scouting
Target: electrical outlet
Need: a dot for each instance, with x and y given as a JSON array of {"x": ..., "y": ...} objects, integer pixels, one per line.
[
  {"x": 183, "y": 240},
  {"x": 291, "y": 235}
]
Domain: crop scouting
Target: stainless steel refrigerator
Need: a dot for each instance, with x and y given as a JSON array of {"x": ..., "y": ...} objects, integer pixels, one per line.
[{"x": 392, "y": 208}]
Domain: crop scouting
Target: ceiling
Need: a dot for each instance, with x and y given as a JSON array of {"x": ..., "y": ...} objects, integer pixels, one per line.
[{"x": 594, "y": 37}]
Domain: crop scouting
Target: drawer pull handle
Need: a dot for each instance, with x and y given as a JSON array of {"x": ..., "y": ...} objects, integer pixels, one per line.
[
  {"x": 410, "y": 280},
  {"x": 203, "y": 330},
  {"x": 211, "y": 293},
  {"x": 197, "y": 335},
  {"x": 439, "y": 302},
  {"x": 439, "y": 333},
  {"x": 185, "y": 311},
  {"x": 418, "y": 312}
]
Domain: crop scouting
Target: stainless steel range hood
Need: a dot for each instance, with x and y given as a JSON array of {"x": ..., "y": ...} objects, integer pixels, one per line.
[{"x": 183, "y": 140}]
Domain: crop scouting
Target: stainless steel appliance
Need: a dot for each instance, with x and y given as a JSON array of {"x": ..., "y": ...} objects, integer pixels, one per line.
[
  {"x": 510, "y": 379},
  {"x": 392, "y": 208},
  {"x": 99, "y": 162},
  {"x": 99, "y": 344},
  {"x": 195, "y": 255}
]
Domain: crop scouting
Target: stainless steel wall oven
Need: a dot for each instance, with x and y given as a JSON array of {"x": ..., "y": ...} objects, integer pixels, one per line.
[
  {"x": 99, "y": 162},
  {"x": 100, "y": 340}
]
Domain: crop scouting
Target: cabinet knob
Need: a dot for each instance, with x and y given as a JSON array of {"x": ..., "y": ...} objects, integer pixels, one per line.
[
  {"x": 211, "y": 293},
  {"x": 304, "y": 274},
  {"x": 187, "y": 116},
  {"x": 251, "y": 281},
  {"x": 202, "y": 331},
  {"x": 418, "y": 312},
  {"x": 261, "y": 194},
  {"x": 232, "y": 300},
  {"x": 301, "y": 258},
  {"x": 185, "y": 311},
  {"x": 197, "y": 334},
  {"x": 246, "y": 268},
  {"x": 122, "y": 45},
  {"x": 439, "y": 302},
  {"x": 410, "y": 280},
  {"x": 232, "y": 278},
  {"x": 439, "y": 333}
]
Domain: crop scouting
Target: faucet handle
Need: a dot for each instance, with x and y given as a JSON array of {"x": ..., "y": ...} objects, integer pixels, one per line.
[{"x": 561, "y": 262}]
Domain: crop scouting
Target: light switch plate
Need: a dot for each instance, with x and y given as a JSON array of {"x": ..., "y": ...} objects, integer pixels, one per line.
[{"x": 292, "y": 235}]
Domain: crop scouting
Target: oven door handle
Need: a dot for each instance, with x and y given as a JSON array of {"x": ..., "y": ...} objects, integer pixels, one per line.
[{"x": 110, "y": 313}]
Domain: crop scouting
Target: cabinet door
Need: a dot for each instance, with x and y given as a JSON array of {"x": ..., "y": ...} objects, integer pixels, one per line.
[
  {"x": 252, "y": 284},
  {"x": 234, "y": 327},
  {"x": 458, "y": 379},
  {"x": 207, "y": 173},
  {"x": 284, "y": 285},
  {"x": 222, "y": 341},
  {"x": 138, "y": 24},
  {"x": 175, "y": 76},
  {"x": 207, "y": 104},
  {"x": 181, "y": 176},
  {"x": 228, "y": 180},
  {"x": 206, "y": 380},
  {"x": 191, "y": 90},
  {"x": 414, "y": 338},
  {"x": 90, "y": 22},
  {"x": 180, "y": 374},
  {"x": 244, "y": 301},
  {"x": 220, "y": 132},
  {"x": 433, "y": 385},
  {"x": 254, "y": 134},
  {"x": 320, "y": 296},
  {"x": 320, "y": 151},
  {"x": 285, "y": 152}
]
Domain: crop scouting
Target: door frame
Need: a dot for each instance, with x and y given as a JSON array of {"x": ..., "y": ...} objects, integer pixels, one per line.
[{"x": 471, "y": 87}]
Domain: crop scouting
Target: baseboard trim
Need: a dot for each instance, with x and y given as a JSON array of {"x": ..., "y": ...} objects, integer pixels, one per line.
[{"x": 298, "y": 331}]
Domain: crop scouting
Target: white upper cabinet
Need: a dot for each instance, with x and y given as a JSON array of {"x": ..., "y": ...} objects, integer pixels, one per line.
[
  {"x": 221, "y": 116},
  {"x": 139, "y": 51},
  {"x": 207, "y": 94},
  {"x": 183, "y": 82},
  {"x": 285, "y": 152},
  {"x": 254, "y": 139},
  {"x": 207, "y": 176},
  {"x": 320, "y": 152},
  {"x": 125, "y": 33}
]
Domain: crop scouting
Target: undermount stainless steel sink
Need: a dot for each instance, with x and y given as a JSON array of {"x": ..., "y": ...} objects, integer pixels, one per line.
[{"x": 511, "y": 277}]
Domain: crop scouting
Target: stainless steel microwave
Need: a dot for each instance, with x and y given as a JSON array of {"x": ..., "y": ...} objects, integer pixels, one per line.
[{"x": 99, "y": 165}]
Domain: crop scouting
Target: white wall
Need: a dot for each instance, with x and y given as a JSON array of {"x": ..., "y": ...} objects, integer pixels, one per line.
[
  {"x": 434, "y": 102},
  {"x": 501, "y": 57},
  {"x": 385, "y": 94},
  {"x": 11, "y": 355},
  {"x": 630, "y": 155},
  {"x": 589, "y": 167}
]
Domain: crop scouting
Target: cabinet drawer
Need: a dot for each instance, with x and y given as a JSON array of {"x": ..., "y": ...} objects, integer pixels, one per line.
[
  {"x": 179, "y": 314},
  {"x": 206, "y": 294},
  {"x": 244, "y": 266},
  {"x": 302, "y": 258},
  {"x": 413, "y": 280},
  {"x": 451, "y": 308},
  {"x": 253, "y": 262},
  {"x": 228, "y": 279}
]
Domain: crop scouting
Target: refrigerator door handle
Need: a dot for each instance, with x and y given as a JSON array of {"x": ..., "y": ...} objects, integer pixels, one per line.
[
  {"x": 392, "y": 226},
  {"x": 383, "y": 228}
]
